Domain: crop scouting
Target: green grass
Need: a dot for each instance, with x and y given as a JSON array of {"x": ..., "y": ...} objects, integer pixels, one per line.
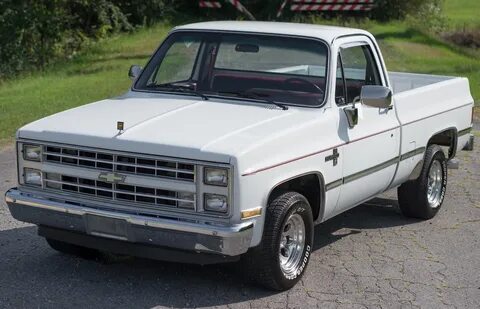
[
  {"x": 406, "y": 49},
  {"x": 101, "y": 71},
  {"x": 463, "y": 13},
  {"x": 409, "y": 50}
]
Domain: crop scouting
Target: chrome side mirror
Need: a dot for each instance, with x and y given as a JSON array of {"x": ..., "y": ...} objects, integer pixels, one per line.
[
  {"x": 376, "y": 96},
  {"x": 134, "y": 71}
]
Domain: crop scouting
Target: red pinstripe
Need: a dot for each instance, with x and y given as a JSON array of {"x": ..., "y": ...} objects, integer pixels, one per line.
[
  {"x": 316, "y": 152},
  {"x": 352, "y": 141}
]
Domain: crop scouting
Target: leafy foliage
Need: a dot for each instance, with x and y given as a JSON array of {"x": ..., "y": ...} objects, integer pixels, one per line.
[
  {"x": 399, "y": 9},
  {"x": 35, "y": 33}
]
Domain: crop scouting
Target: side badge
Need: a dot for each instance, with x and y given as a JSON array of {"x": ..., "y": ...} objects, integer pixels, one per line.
[{"x": 333, "y": 157}]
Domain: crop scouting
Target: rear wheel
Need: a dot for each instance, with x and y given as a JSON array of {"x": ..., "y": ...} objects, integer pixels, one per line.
[
  {"x": 422, "y": 198},
  {"x": 72, "y": 249},
  {"x": 280, "y": 260}
]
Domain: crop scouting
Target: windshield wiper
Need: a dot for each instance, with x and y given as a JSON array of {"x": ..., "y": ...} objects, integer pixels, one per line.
[
  {"x": 183, "y": 88},
  {"x": 257, "y": 97}
]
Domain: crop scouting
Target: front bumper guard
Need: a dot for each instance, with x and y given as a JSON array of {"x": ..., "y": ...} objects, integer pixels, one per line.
[{"x": 231, "y": 240}]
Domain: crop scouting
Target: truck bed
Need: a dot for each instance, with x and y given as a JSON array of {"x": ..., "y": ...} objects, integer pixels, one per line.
[
  {"x": 427, "y": 105},
  {"x": 408, "y": 81}
]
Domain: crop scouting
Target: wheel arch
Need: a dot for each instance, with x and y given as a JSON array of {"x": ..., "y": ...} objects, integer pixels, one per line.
[
  {"x": 310, "y": 184},
  {"x": 446, "y": 137}
]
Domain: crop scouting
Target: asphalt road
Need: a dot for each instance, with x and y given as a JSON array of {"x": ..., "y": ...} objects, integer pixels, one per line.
[{"x": 369, "y": 257}]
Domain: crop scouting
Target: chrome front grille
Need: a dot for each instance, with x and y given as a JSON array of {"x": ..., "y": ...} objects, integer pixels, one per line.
[
  {"x": 128, "y": 164},
  {"x": 141, "y": 184},
  {"x": 143, "y": 197}
]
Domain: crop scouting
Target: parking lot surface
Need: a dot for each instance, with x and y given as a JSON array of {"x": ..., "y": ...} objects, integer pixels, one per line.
[{"x": 368, "y": 257}]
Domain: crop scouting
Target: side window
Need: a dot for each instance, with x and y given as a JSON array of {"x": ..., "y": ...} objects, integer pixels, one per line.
[
  {"x": 359, "y": 69},
  {"x": 178, "y": 62}
]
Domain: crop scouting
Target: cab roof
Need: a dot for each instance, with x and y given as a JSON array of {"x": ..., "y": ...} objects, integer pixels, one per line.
[{"x": 326, "y": 33}]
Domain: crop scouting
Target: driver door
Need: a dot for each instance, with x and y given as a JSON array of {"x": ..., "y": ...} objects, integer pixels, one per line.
[{"x": 372, "y": 146}]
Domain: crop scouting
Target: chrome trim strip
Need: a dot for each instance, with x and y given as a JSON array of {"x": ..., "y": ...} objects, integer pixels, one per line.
[
  {"x": 334, "y": 184},
  {"x": 370, "y": 170},
  {"x": 373, "y": 169},
  {"x": 464, "y": 131},
  {"x": 412, "y": 153}
]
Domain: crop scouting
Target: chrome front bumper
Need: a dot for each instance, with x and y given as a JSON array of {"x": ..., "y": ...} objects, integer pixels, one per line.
[{"x": 231, "y": 240}]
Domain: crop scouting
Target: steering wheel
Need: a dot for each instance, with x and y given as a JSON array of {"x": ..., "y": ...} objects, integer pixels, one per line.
[{"x": 304, "y": 81}]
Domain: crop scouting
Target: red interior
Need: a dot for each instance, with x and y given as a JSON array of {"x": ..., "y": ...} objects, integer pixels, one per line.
[
  {"x": 239, "y": 81},
  {"x": 274, "y": 86}
]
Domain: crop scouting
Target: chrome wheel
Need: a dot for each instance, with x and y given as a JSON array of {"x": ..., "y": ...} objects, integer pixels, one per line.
[
  {"x": 292, "y": 243},
  {"x": 435, "y": 184}
]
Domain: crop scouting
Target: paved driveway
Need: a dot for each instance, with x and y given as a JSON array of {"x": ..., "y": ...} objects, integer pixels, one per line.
[{"x": 369, "y": 257}]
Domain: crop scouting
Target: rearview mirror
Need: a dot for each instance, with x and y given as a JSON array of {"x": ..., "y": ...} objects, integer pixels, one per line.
[
  {"x": 376, "y": 96},
  {"x": 134, "y": 71},
  {"x": 247, "y": 48}
]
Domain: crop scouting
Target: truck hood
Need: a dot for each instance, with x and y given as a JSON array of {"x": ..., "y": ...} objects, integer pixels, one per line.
[{"x": 166, "y": 125}]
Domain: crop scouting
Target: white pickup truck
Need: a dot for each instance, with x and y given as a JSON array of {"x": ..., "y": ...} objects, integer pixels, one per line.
[{"x": 233, "y": 141}]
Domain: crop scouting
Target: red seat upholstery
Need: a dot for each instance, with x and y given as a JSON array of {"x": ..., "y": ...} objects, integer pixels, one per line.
[{"x": 271, "y": 85}]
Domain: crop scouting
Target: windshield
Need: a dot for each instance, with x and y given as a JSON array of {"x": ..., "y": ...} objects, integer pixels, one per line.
[{"x": 277, "y": 69}]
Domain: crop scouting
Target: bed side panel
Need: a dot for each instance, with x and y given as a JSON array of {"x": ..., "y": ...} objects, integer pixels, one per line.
[
  {"x": 407, "y": 81},
  {"x": 428, "y": 110}
]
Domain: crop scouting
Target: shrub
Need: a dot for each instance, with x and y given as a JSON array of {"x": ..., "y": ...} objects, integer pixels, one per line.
[
  {"x": 28, "y": 34},
  {"x": 141, "y": 12},
  {"x": 35, "y": 33},
  {"x": 399, "y": 9},
  {"x": 468, "y": 38}
]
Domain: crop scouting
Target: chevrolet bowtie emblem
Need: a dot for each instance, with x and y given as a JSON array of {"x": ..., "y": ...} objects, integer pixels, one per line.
[{"x": 111, "y": 177}]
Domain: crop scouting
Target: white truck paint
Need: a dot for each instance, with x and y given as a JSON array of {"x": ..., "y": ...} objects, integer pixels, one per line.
[{"x": 264, "y": 147}]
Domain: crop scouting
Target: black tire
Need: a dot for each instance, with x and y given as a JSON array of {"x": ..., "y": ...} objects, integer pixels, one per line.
[
  {"x": 71, "y": 249},
  {"x": 413, "y": 195},
  {"x": 263, "y": 262}
]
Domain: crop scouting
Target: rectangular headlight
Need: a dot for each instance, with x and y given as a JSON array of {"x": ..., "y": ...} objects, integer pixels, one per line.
[
  {"x": 32, "y": 152},
  {"x": 32, "y": 177},
  {"x": 215, "y": 176},
  {"x": 215, "y": 202}
]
